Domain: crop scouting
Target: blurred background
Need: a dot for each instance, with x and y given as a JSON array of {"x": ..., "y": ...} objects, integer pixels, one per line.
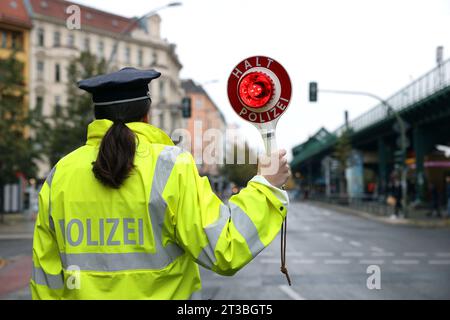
[{"x": 367, "y": 131}]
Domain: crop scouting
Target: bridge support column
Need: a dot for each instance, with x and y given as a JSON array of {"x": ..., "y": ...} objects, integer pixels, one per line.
[
  {"x": 419, "y": 138},
  {"x": 382, "y": 167}
]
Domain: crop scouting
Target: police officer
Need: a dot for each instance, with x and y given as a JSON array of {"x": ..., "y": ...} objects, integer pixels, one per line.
[{"x": 127, "y": 215}]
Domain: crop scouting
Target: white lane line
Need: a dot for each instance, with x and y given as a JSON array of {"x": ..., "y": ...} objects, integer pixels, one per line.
[
  {"x": 326, "y": 213},
  {"x": 442, "y": 262},
  {"x": 291, "y": 293},
  {"x": 304, "y": 261},
  {"x": 371, "y": 261},
  {"x": 270, "y": 261},
  {"x": 305, "y": 228},
  {"x": 339, "y": 239},
  {"x": 326, "y": 235},
  {"x": 295, "y": 254},
  {"x": 443, "y": 254},
  {"x": 382, "y": 254},
  {"x": 408, "y": 262},
  {"x": 352, "y": 254},
  {"x": 415, "y": 254},
  {"x": 355, "y": 243},
  {"x": 337, "y": 261},
  {"x": 24, "y": 236},
  {"x": 377, "y": 249},
  {"x": 322, "y": 254}
]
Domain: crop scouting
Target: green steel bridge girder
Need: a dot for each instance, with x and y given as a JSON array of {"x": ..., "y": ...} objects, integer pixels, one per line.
[{"x": 429, "y": 121}]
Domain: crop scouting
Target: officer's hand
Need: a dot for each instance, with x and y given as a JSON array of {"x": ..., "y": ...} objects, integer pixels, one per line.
[{"x": 275, "y": 168}]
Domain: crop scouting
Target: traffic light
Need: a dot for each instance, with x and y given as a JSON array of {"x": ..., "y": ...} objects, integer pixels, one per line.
[
  {"x": 313, "y": 89},
  {"x": 187, "y": 107}
]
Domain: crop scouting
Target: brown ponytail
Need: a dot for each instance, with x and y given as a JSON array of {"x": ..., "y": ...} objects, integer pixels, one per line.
[{"x": 115, "y": 159}]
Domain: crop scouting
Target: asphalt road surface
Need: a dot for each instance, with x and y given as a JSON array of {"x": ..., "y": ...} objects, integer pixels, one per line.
[{"x": 328, "y": 257}]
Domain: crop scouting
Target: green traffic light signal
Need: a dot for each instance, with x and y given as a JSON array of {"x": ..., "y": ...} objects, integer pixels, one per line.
[{"x": 187, "y": 107}]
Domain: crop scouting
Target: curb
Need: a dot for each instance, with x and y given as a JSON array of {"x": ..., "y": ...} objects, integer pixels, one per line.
[{"x": 385, "y": 220}]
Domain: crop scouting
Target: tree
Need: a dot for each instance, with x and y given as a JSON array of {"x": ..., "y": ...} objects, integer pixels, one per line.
[
  {"x": 66, "y": 128},
  {"x": 342, "y": 153},
  {"x": 16, "y": 153},
  {"x": 240, "y": 174}
]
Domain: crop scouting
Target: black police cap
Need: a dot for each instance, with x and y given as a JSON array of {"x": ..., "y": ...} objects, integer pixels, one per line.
[{"x": 126, "y": 85}]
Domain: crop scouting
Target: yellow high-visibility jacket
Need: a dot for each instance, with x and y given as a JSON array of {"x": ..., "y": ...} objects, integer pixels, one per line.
[{"x": 144, "y": 240}]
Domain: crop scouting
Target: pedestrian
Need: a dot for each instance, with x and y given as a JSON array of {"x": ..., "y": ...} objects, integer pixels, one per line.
[
  {"x": 397, "y": 193},
  {"x": 435, "y": 201},
  {"x": 447, "y": 180},
  {"x": 127, "y": 215}
]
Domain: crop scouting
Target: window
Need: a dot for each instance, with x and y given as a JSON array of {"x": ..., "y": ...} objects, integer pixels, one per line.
[
  {"x": 17, "y": 41},
  {"x": 4, "y": 38},
  {"x": 87, "y": 44},
  {"x": 57, "y": 73},
  {"x": 57, "y": 105},
  {"x": 154, "y": 58},
  {"x": 198, "y": 103},
  {"x": 161, "y": 120},
  {"x": 57, "y": 39},
  {"x": 127, "y": 55},
  {"x": 161, "y": 90},
  {"x": 41, "y": 38},
  {"x": 39, "y": 105},
  {"x": 71, "y": 40},
  {"x": 140, "y": 58},
  {"x": 40, "y": 70},
  {"x": 101, "y": 49}
]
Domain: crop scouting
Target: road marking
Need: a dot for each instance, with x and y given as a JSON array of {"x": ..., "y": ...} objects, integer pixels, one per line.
[
  {"x": 295, "y": 254},
  {"x": 355, "y": 243},
  {"x": 376, "y": 262},
  {"x": 415, "y": 254},
  {"x": 267, "y": 254},
  {"x": 322, "y": 254},
  {"x": 406, "y": 262},
  {"x": 339, "y": 239},
  {"x": 439, "y": 262},
  {"x": 337, "y": 261},
  {"x": 443, "y": 254},
  {"x": 326, "y": 213},
  {"x": 291, "y": 293},
  {"x": 377, "y": 249},
  {"x": 270, "y": 261},
  {"x": 352, "y": 254},
  {"x": 19, "y": 236},
  {"x": 326, "y": 235},
  {"x": 304, "y": 261},
  {"x": 382, "y": 254},
  {"x": 305, "y": 228}
]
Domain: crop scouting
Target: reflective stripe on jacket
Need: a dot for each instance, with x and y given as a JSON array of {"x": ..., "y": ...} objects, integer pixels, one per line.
[{"x": 144, "y": 240}]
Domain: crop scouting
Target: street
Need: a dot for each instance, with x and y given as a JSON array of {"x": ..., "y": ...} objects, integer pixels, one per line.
[{"x": 328, "y": 255}]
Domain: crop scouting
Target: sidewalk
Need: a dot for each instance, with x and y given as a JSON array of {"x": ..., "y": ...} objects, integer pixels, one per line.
[
  {"x": 16, "y": 232},
  {"x": 417, "y": 218},
  {"x": 17, "y": 226}
]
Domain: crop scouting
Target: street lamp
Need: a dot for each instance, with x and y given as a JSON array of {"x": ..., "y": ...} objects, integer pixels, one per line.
[{"x": 135, "y": 21}]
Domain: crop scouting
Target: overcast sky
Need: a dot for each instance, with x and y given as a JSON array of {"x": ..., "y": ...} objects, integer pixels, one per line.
[{"x": 376, "y": 46}]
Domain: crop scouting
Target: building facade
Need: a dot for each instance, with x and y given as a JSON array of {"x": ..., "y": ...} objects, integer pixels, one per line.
[
  {"x": 53, "y": 45},
  {"x": 15, "y": 26},
  {"x": 205, "y": 116}
]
